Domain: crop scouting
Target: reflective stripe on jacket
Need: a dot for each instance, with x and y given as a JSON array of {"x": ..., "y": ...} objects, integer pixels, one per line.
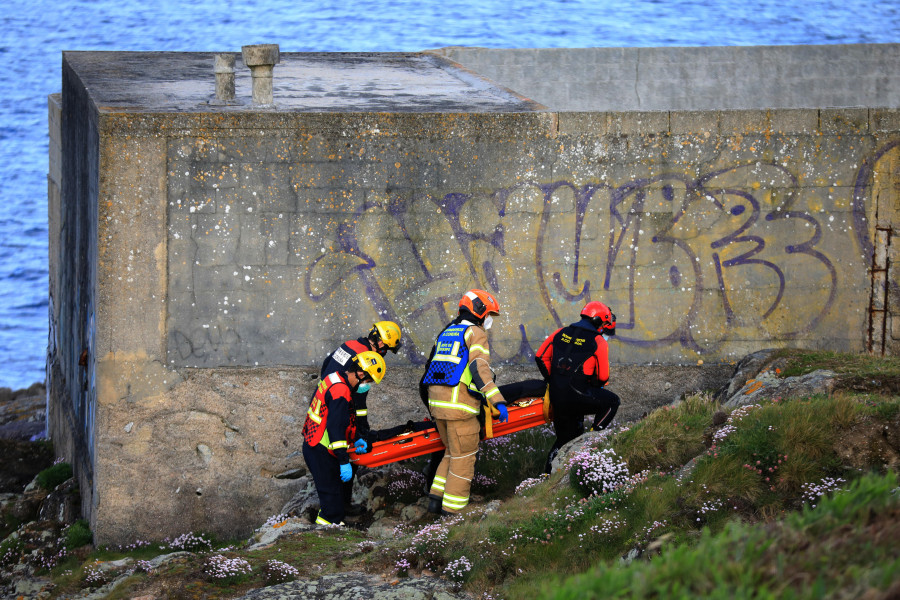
[
  {"x": 329, "y": 419},
  {"x": 463, "y": 400}
]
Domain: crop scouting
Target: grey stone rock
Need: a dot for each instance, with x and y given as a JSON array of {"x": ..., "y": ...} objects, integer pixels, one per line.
[
  {"x": 747, "y": 368},
  {"x": 629, "y": 558},
  {"x": 305, "y": 501},
  {"x": 31, "y": 588},
  {"x": 267, "y": 535},
  {"x": 115, "y": 565},
  {"x": 767, "y": 386},
  {"x": 165, "y": 559},
  {"x": 204, "y": 452},
  {"x": 412, "y": 513},
  {"x": 359, "y": 585},
  {"x": 292, "y": 474},
  {"x": 383, "y": 528},
  {"x": 63, "y": 504}
]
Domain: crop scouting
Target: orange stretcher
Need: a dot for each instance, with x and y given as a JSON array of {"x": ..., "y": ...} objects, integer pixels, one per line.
[{"x": 524, "y": 413}]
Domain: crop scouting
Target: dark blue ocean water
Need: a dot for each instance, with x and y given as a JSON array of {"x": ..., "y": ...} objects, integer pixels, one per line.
[{"x": 33, "y": 33}]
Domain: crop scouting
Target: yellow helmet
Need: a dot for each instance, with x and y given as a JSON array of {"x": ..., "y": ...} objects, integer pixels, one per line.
[
  {"x": 388, "y": 332},
  {"x": 372, "y": 363}
]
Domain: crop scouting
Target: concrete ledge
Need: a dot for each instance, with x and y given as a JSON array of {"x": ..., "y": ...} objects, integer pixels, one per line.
[{"x": 844, "y": 120}]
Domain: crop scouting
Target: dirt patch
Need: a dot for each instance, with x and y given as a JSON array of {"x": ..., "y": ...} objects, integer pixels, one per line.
[
  {"x": 883, "y": 385},
  {"x": 868, "y": 443}
]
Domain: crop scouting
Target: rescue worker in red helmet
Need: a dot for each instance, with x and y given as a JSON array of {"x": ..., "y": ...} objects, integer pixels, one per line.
[
  {"x": 329, "y": 429},
  {"x": 459, "y": 380},
  {"x": 575, "y": 362}
]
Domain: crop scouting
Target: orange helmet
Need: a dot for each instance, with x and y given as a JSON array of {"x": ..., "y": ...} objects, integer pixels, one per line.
[
  {"x": 479, "y": 303},
  {"x": 600, "y": 317}
]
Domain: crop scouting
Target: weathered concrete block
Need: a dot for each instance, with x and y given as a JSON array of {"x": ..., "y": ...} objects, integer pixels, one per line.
[
  {"x": 883, "y": 119},
  {"x": 795, "y": 121},
  {"x": 638, "y": 123},
  {"x": 694, "y": 122},
  {"x": 844, "y": 120}
]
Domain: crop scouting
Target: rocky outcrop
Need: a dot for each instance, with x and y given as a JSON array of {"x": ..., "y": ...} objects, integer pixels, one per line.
[
  {"x": 755, "y": 378},
  {"x": 23, "y": 413},
  {"x": 769, "y": 386},
  {"x": 359, "y": 585},
  {"x": 746, "y": 369}
]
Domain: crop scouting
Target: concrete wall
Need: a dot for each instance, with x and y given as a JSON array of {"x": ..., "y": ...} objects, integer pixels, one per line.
[
  {"x": 73, "y": 182},
  {"x": 234, "y": 250},
  {"x": 709, "y": 233},
  {"x": 707, "y": 78}
]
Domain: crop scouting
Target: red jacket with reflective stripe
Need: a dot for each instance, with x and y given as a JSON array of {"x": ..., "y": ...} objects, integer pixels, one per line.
[{"x": 330, "y": 413}]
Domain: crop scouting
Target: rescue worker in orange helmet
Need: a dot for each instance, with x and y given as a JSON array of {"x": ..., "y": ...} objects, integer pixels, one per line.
[
  {"x": 459, "y": 379},
  {"x": 329, "y": 429},
  {"x": 575, "y": 362}
]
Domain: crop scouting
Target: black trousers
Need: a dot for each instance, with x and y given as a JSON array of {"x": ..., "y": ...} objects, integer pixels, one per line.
[
  {"x": 530, "y": 388},
  {"x": 569, "y": 413},
  {"x": 325, "y": 470}
]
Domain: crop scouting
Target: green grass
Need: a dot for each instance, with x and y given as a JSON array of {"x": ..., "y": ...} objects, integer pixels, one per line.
[
  {"x": 668, "y": 437},
  {"x": 811, "y": 554},
  {"x": 801, "y": 362}
]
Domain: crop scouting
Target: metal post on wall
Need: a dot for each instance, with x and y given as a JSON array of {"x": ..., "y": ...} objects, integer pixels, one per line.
[{"x": 878, "y": 296}]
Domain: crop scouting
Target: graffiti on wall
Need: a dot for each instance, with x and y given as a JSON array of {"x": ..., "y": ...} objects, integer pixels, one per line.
[
  {"x": 682, "y": 261},
  {"x": 737, "y": 256}
]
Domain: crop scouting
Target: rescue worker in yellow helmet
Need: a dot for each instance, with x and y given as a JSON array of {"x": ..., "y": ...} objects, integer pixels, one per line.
[
  {"x": 384, "y": 336},
  {"x": 331, "y": 426},
  {"x": 459, "y": 379}
]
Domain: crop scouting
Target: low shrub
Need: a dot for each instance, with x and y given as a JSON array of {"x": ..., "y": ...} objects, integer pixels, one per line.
[
  {"x": 78, "y": 534},
  {"x": 597, "y": 472},
  {"x": 276, "y": 571},
  {"x": 51, "y": 477},
  {"x": 223, "y": 569},
  {"x": 189, "y": 542},
  {"x": 404, "y": 485}
]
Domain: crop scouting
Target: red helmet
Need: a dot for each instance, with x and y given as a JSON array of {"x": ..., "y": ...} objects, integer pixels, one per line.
[
  {"x": 600, "y": 316},
  {"x": 479, "y": 303}
]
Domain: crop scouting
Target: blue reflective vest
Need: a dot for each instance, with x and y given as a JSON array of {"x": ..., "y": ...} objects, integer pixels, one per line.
[{"x": 451, "y": 357}]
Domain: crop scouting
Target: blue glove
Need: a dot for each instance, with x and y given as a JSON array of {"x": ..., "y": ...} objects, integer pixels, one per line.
[
  {"x": 361, "y": 446},
  {"x": 504, "y": 414},
  {"x": 346, "y": 472}
]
